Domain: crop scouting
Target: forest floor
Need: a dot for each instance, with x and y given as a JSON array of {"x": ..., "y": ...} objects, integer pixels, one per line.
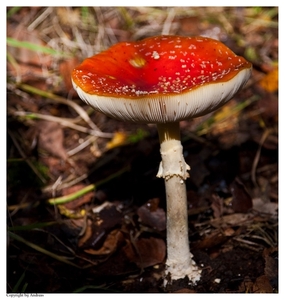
[{"x": 85, "y": 210}]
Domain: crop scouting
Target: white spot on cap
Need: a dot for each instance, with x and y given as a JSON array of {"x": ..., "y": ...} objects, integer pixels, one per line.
[
  {"x": 192, "y": 47},
  {"x": 155, "y": 55}
]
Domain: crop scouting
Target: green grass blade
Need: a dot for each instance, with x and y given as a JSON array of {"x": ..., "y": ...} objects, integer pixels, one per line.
[
  {"x": 34, "y": 47},
  {"x": 32, "y": 226},
  {"x": 18, "y": 283},
  {"x": 42, "y": 250},
  {"x": 13, "y": 10}
]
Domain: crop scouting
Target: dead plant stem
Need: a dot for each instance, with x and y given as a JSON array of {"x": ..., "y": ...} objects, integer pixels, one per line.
[{"x": 266, "y": 133}]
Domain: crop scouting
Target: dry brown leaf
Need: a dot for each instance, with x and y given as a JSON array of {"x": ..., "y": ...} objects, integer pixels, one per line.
[
  {"x": 146, "y": 252},
  {"x": 152, "y": 217},
  {"x": 110, "y": 245},
  {"x": 232, "y": 220},
  {"x": 262, "y": 285},
  {"x": 216, "y": 237},
  {"x": 51, "y": 139}
]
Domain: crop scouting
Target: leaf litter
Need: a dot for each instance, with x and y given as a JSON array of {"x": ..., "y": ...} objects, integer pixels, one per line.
[{"x": 108, "y": 235}]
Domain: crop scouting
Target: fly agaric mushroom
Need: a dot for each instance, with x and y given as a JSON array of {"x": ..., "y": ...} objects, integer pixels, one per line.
[{"x": 164, "y": 80}]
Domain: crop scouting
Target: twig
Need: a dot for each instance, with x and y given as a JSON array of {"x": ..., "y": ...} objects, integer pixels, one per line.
[
  {"x": 85, "y": 190},
  {"x": 63, "y": 122},
  {"x": 266, "y": 133},
  {"x": 62, "y": 185},
  {"x": 248, "y": 244},
  {"x": 40, "y": 19},
  {"x": 82, "y": 145},
  {"x": 14, "y": 208},
  {"x": 82, "y": 113},
  {"x": 168, "y": 22}
]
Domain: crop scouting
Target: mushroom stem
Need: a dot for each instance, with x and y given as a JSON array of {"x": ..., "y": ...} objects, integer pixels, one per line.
[{"x": 173, "y": 169}]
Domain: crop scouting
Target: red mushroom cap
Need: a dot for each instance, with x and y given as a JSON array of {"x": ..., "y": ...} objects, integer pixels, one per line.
[{"x": 161, "y": 79}]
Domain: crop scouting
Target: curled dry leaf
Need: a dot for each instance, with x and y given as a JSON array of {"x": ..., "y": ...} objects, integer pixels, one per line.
[
  {"x": 151, "y": 216},
  {"x": 110, "y": 245},
  {"x": 98, "y": 230},
  {"x": 146, "y": 252}
]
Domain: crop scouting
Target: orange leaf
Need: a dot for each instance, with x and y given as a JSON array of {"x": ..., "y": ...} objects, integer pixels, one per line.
[{"x": 270, "y": 81}]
